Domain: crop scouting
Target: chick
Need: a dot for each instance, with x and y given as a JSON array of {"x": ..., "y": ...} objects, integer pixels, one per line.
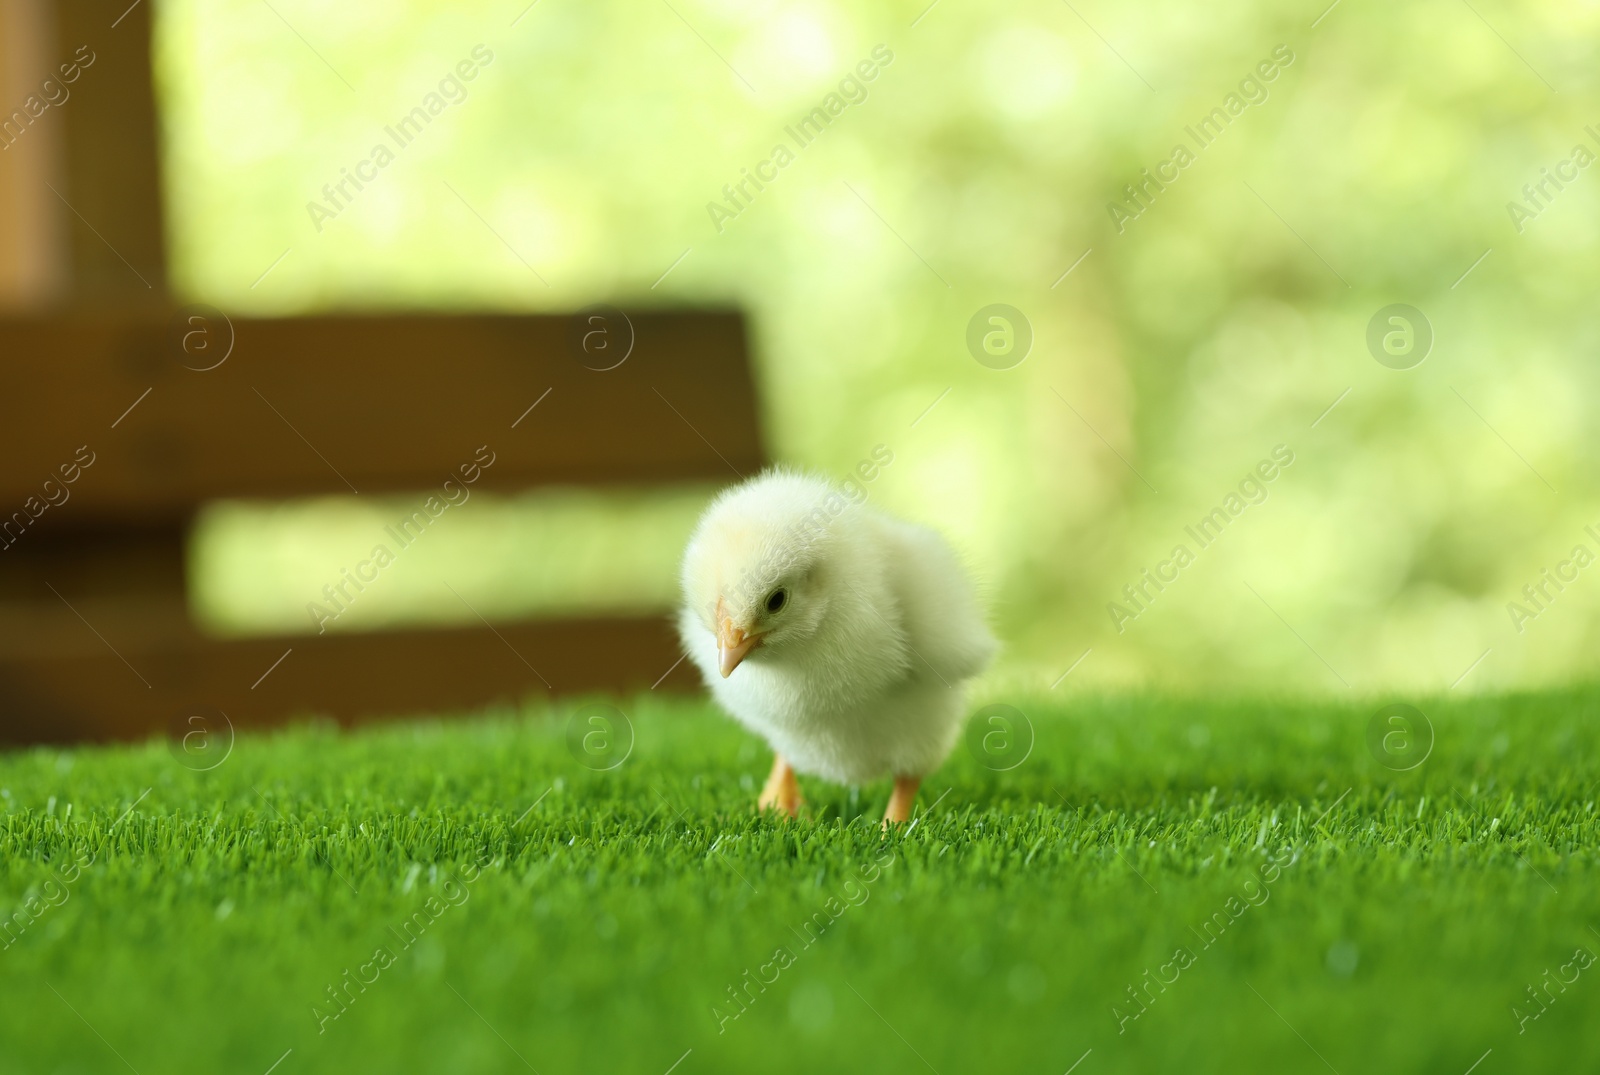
[{"x": 840, "y": 635}]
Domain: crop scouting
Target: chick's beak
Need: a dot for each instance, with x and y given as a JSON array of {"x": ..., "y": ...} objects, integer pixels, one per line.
[{"x": 733, "y": 644}]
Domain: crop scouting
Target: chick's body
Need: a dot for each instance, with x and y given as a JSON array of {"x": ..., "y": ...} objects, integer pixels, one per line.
[{"x": 849, "y": 633}]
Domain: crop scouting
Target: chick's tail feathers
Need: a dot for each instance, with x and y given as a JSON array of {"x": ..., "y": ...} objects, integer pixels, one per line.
[{"x": 939, "y": 607}]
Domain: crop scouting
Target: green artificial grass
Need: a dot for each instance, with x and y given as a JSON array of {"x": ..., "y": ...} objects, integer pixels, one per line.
[{"x": 1161, "y": 885}]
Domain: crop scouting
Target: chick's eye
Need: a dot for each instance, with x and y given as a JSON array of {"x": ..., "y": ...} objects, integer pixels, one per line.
[{"x": 777, "y": 599}]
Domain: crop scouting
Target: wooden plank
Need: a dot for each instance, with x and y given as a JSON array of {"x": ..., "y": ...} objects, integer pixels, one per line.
[
  {"x": 335, "y": 405},
  {"x": 32, "y": 224},
  {"x": 130, "y": 684},
  {"x": 112, "y": 167}
]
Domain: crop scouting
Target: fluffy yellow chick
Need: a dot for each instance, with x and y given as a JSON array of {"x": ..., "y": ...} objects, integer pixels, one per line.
[{"x": 840, "y": 635}]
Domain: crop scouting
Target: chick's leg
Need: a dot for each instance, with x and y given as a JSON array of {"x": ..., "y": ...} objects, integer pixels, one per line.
[
  {"x": 782, "y": 791},
  {"x": 900, "y": 800}
]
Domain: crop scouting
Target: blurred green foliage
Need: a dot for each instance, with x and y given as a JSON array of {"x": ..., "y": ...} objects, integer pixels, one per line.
[
  {"x": 1178, "y": 353},
  {"x": 567, "y": 551}
]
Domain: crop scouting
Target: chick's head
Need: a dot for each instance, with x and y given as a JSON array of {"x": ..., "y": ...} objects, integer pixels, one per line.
[{"x": 756, "y": 573}]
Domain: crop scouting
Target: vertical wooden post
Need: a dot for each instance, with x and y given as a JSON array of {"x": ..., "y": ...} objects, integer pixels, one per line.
[
  {"x": 111, "y": 157},
  {"x": 80, "y": 178},
  {"x": 33, "y": 261}
]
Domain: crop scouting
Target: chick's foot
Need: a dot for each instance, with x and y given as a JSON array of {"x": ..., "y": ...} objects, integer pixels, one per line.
[
  {"x": 782, "y": 791},
  {"x": 900, "y": 800}
]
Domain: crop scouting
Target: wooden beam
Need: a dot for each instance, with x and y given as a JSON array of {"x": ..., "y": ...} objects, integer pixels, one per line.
[
  {"x": 33, "y": 261},
  {"x": 111, "y": 156},
  {"x": 336, "y": 405},
  {"x": 121, "y": 679}
]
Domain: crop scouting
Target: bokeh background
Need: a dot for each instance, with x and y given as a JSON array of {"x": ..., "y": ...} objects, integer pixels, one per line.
[{"x": 1174, "y": 356}]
